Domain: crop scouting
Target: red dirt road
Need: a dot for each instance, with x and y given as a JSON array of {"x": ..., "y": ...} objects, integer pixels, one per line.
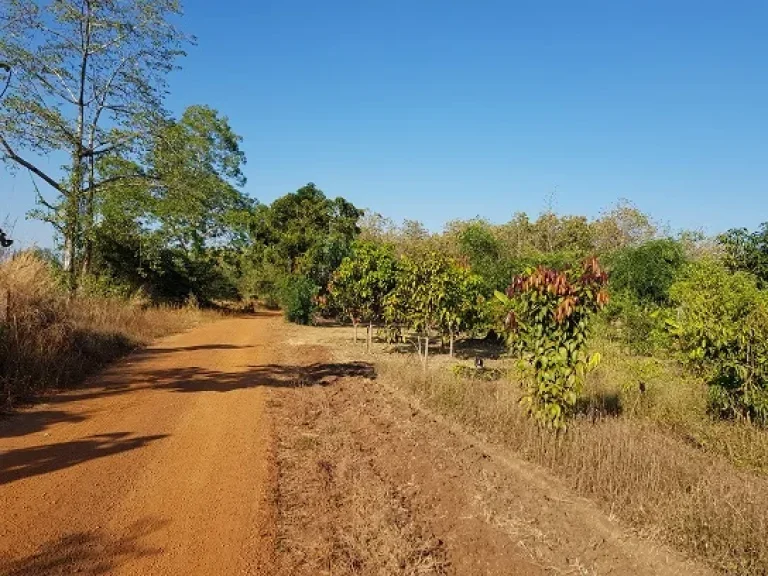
[{"x": 160, "y": 465}]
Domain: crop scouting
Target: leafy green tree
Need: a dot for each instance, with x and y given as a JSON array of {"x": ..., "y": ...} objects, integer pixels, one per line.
[
  {"x": 307, "y": 232},
  {"x": 362, "y": 283},
  {"x": 87, "y": 80},
  {"x": 462, "y": 307},
  {"x": 424, "y": 288},
  {"x": 184, "y": 229},
  {"x": 721, "y": 327},
  {"x": 548, "y": 320},
  {"x": 298, "y": 298},
  {"x": 646, "y": 272},
  {"x": 747, "y": 251}
]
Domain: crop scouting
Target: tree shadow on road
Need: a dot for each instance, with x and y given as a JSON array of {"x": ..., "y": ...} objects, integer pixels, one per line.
[
  {"x": 26, "y": 462},
  {"x": 272, "y": 375},
  {"x": 35, "y": 421},
  {"x": 90, "y": 552}
]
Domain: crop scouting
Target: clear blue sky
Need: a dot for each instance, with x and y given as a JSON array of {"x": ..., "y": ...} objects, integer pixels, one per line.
[{"x": 434, "y": 110}]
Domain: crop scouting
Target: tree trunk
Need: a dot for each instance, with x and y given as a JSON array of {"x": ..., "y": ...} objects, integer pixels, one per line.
[
  {"x": 70, "y": 231},
  {"x": 426, "y": 351},
  {"x": 370, "y": 336},
  {"x": 451, "y": 348},
  {"x": 89, "y": 215},
  {"x": 355, "y": 325}
]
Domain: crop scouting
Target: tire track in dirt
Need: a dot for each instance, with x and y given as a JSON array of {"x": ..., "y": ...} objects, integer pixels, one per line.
[{"x": 162, "y": 464}]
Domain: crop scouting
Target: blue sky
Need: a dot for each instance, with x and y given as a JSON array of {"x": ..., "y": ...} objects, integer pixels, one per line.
[{"x": 434, "y": 110}]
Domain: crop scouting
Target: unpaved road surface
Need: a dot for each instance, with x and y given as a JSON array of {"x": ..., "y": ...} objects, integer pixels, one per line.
[
  {"x": 249, "y": 446},
  {"x": 161, "y": 465}
]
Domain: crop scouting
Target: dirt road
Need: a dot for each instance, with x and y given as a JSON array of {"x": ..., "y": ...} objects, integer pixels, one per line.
[{"x": 161, "y": 465}]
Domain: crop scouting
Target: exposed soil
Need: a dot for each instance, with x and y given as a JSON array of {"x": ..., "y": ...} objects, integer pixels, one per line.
[{"x": 248, "y": 447}]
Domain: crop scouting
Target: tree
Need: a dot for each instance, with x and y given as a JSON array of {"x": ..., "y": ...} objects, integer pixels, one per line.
[
  {"x": 184, "y": 229},
  {"x": 197, "y": 163},
  {"x": 621, "y": 226},
  {"x": 304, "y": 233},
  {"x": 298, "y": 298},
  {"x": 461, "y": 309},
  {"x": 721, "y": 327},
  {"x": 747, "y": 251},
  {"x": 477, "y": 243},
  {"x": 548, "y": 321},
  {"x": 423, "y": 287},
  {"x": 88, "y": 80},
  {"x": 647, "y": 271},
  {"x": 362, "y": 283}
]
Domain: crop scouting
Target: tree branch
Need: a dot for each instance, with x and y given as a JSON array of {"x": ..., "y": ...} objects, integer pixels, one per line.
[
  {"x": 9, "y": 70},
  {"x": 123, "y": 177},
  {"x": 31, "y": 167}
]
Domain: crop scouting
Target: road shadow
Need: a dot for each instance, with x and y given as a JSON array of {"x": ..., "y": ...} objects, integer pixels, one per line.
[
  {"x": 153, "y": 351},
  {"x": 486, "y": 348},
  {"x": 35, "y": 421},
  {"x": 272, "y": 375},
  {"x": 187, "y": 379},
  {"x": 91, "y": 552},
  {"x": 27, "y": 462}
]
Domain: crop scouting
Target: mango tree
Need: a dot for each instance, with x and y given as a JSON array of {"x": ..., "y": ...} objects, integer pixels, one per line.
[
  {"x": 423, "y": 288},
  {"x": 548, "y": 319},
  {"x": 362, "y": 282},
  {"x": 460, "y": 310}
]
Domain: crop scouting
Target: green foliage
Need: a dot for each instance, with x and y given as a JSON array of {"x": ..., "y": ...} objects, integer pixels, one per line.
[
  {"x": 307, "y": 233},
  {"x": 363, "y": 281},
  {"x": 646, "y": 272},
  {"x": 180, "y": 235},
  {"x": 433, "y": 294},
  {"x": 747, "y": 251},
  {"x": 721, "y": 328},
  {"x": 462, "y": 307},
  {"x": 548, "y": 322},
  {"x": 298, "y": 299},
  {"x": 640, "y": 327}
]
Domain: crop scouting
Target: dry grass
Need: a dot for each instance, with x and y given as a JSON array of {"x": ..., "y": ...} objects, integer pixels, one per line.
[
  {"x": 653, "y": 459},
  {"x": 339, "y": 514},
  {"x": 51, "y": 340}
]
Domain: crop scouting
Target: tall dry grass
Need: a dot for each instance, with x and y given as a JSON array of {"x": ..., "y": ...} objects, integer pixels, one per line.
[
  {"x": 51, "y": 339},
  {"x": 640, "y": 455}
]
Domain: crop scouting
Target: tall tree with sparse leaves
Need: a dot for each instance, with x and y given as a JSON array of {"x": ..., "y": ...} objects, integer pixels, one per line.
[{"x": 88, "y": 79}]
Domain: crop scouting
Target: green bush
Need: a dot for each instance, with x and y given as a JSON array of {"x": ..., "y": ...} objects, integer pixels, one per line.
[
  {"x": 647, "y": 271},
  {"x": 722, "y": 330},
  {"x": 638, "y": 326},
  {"x": 298, "y": 299}
]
